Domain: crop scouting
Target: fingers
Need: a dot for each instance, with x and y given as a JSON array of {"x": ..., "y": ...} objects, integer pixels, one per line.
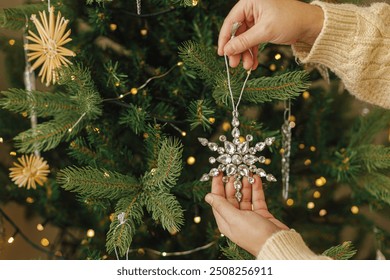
[
  {"x": 223, "y": 211},
  {"x": 230, "y": 193},
  {"x": 258, "y": 197},
  {"x": 217, "y": 186},
  {"x": 246, "y": 201},
  {"x": 236, "y": 14}
]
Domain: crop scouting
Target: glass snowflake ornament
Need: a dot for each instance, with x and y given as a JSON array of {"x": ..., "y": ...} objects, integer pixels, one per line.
[{"x": 237, "y": 159}]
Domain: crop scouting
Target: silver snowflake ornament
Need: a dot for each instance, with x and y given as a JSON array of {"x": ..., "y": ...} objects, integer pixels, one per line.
[{"x": 237, "y": 159}]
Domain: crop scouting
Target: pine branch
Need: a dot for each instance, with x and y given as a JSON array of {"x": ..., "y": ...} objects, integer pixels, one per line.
[
  {"x": 343, "y": 251},
  {"x": 136, "y": 118},
  {"x": 202, "y": 60},
  {"x": 152, "y": 146},
  {"x": 234, "y": 252},
  {"x": 79, "y": 83},
  {"x": 120, "y": 236},
  {"x": 43, "y": 104},
  {"x": 97, "y": 183},
  {"x": 264, "y": 89},
  {"x": 377, "y": 185},
  {"x": 199, "y": 113},
  {"x": 169, "y": 165},
  {"x": 48, "y": 135},
  {"x": 373, "y": 157},
  {"x": 368, "y": 126},
  {"x": 164, "y": 208},
  {"x": 185, "y": 3},
  {"x": 16, "y": 18}
]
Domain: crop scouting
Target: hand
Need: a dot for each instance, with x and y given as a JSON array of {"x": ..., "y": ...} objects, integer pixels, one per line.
[
  {"x": 248, "y": 223},
  {"x": 276, "y": 21}
]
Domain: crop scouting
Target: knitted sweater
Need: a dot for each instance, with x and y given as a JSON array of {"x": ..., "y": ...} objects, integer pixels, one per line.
[{"x": 354, "y": 43}]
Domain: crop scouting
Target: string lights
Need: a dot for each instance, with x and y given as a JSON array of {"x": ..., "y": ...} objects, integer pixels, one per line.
[{"x": 135, "y": 90}]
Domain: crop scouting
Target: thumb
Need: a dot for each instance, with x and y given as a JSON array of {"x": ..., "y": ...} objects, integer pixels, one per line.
[
  {"x": 221, "y": 206},
  {"x": 250, "y": 38}
]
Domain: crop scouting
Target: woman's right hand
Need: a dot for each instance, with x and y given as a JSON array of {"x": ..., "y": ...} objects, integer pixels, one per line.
[{"x": 276, "y": 21}]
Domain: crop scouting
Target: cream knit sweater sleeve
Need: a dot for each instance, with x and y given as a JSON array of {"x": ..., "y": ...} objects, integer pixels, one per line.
[
  {"x": 287, "y": 245},
  {"x": 355, "y": 44}
]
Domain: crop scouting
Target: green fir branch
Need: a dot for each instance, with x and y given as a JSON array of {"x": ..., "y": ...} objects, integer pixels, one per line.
[
  {"x": 164, "y": 208},
  {"x": 97, "y": 183},
  {"x": 16, "y": 18},
  {"x": 152, "y": 146},
  {"x": 120, "y": 235},
  {"x": 377, "y": 184},
  {"x": 169, "y": 165},
  {"x": 233, "y": 252},
  {"x": 366, "y": 127},
  {"x": 199, "y": 113},
  {"x": 48, "y": 135},
  {"x": 136, "y": 118},
  {"x": 185, "y": 3},
  {"x": 79, "y": 83},
  {"x": 373, "y": 157},
  {"x": 42, "y": 104},
  {"x": 343, "y": 251},
  {"x": 202, "y": 60},
  {"x": 263, "y": 89}
]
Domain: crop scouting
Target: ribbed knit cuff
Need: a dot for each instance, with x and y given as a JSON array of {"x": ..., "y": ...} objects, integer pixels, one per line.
[
  {"x": 287, "y": 245},
  {"x": 339, "y": 24}
]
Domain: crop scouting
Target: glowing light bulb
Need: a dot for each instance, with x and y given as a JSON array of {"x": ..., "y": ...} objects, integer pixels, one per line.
[
  {"x": 113, "y": 27},
  {"x": 144, "y": 32},
  {"x": 278, "y": 56},
  {"x": 316, "y": 194},
  {"x": 212, "y": 120},
  {"x": 305, "y": 95},
  {"x": 45, "y": 242},
  {"x": 11, "y": 240},
  {"x": 197, "y": 219},
  {"x": 310, "y": 205},
  {"x": 320, "y": 181},
  {"x": 90, "y": 233},
  {"x": 40, "y": 227},
  {"x": 164, "y": 254},
  {"x": 11, "y": 42},
  {"x": 355, "y": 209},
  {"x": 180, "y": 63},
  {"x": 134, "y": 91},
  {"x": 183, "y": 133},
  {"x": 226, "y": 126},
  {"x": 1, "y": 140},
  {"x": 323, "y": 212},
  {"x": 191, "y": 160},
  {"x": 290, "y": 202}
]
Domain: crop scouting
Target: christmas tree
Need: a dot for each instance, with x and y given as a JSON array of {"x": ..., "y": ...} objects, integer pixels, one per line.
[{"x": 103, "y": 143}]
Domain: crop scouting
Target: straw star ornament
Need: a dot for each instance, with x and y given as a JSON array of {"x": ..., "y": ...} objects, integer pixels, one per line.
[
  {"x": 48, "y": 49},
  {"x": 29, "y": 171}
]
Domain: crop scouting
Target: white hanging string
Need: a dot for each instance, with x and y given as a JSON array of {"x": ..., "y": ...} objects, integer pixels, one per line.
[
  {"x": 122, "y": 221},
  {"x": 248, "y": 73}
]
